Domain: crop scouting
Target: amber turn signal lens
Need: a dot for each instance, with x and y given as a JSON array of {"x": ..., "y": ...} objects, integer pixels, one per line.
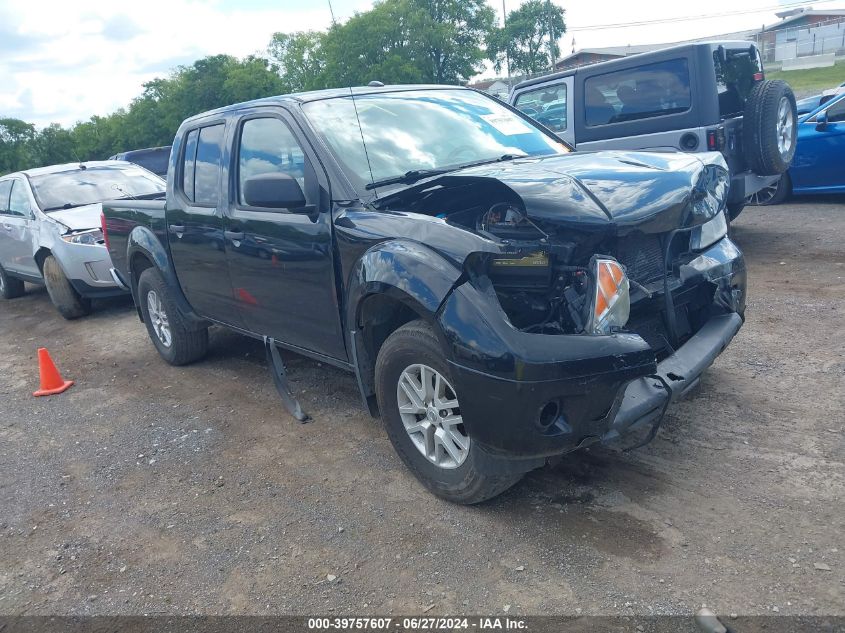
[{"x": 611, "y": 303}]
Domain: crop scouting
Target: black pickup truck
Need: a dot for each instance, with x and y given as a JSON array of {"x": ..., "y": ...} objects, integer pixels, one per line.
[{"x": 500, "y": 298}]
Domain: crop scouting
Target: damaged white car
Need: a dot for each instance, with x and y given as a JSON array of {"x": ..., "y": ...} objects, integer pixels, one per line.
[{"x": 50, "y": 229}]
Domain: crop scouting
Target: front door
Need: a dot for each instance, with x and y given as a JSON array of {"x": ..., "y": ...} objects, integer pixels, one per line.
[
  {"x": 281, "y": 260},
  {"x": 195, "y": 226},
  {"x": 818, "y": 158},
  {"x": 16, "y": 226}
]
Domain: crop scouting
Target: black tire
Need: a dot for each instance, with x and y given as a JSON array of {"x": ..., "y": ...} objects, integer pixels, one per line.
[
  {"x": 734, "y": 209},
  {"x": 10, "y": 287},
  {"x": 69, "y": 303},
  {"x": 761, "y": 127},
  {"x": 187, "y": 342},
  {"x": 770, "y": 196},
  {"x": 416, "y": 343}
]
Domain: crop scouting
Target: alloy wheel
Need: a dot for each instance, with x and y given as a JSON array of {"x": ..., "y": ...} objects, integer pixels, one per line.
[
  {"x": 431, "y": 416},
  {"x": 785, "y": 127},
  {"x": 764, "y": 196},
  {"x": 158, "y": 318}
]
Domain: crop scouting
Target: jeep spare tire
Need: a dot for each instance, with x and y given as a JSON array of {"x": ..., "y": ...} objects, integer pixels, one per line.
[{"x": 769, "y": 128}]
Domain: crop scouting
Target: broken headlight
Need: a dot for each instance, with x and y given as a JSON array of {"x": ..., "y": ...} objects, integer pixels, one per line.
[
  {"x": 93, "y": 237},
  {"x": 709, "y": 233},
  {"x": 710, "y": 193},
  {"x": 611, "y": 301}
]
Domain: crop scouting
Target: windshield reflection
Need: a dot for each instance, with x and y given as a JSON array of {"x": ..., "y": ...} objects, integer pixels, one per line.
[
  {"x": 79, "y": 187},
  {"x": 418, "y": 130}
]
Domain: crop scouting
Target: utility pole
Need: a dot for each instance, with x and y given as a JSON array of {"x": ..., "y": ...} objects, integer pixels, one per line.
[
  {"x": 332, "y": 12},
  {"x": 551, "y": 34},
  {"x": 507, "y": 44}
]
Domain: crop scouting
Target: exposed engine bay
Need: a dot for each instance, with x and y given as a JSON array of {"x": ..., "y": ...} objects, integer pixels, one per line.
[{"x": 553, "y": 277}]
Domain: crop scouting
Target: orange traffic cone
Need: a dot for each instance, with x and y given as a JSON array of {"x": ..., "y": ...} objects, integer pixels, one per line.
[{"x": 51, "y": 380}]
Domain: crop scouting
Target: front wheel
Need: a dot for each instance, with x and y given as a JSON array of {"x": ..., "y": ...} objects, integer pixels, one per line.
[
  {"x": 422, "y": 414},
  {"x": 69, "y": 303},
  {"x": 177, "y": 340}
]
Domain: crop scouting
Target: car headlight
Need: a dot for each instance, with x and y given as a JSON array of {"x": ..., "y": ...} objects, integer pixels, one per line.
[
  {"x": 709, "y": 233},
  {"x": 93, "y": 237},
  {"x": 611, "y": 302},
  {"x": 710, "y": 193}
]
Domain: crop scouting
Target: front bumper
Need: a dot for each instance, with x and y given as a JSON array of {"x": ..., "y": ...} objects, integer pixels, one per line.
[{"x": 525, "y": 397}]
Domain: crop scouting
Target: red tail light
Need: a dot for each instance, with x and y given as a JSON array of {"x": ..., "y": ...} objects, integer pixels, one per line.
[
  {"x": 711, "y": 140},
  {"x": 103, "y": 229},
  {"x": 758, "y": 76}
]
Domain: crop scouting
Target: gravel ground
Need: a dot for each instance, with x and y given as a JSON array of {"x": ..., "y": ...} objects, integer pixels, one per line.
[{"x": 152, "y": 489}]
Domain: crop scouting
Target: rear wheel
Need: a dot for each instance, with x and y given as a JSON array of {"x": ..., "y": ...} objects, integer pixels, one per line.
[
  {"x": 769, "y": 128},
  {"x": 178, "y": 341},
  {"x": 69, "y": 303},
  {"x": 422, "y": 414},
  {"x": 772, "y": 194},
  {"x": 10, "y": 287}
]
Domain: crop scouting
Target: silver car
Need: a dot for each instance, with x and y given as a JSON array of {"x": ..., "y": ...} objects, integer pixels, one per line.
[{"x": 50, "y": 229}]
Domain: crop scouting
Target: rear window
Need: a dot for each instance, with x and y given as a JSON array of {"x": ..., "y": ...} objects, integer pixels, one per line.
[
  {"x": 201, "y": 164},
  {"x": 737, "y": 70},
  {"x": 643, "y": 92},
  {"x": 546, "y": 105}
]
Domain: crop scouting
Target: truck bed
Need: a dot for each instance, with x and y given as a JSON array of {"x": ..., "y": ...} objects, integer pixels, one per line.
[{"x": 122, "y": 216}]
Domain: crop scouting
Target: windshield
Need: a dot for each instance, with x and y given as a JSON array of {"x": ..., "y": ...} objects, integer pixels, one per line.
[
  {"x": 78, "y": 187},
  {"x": 422, "y": 130}
]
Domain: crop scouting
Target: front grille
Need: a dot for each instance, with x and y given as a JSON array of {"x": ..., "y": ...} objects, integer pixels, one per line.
[{"x": 642, "y": 256}]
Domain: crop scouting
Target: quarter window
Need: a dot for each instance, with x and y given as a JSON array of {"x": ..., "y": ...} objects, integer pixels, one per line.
[
  {"x": 202, "y": 163},
  {"x": 545, "y": 105},
  {"x": 268, "y": 146},
  {"x": 644, "y": 92},
  {"x": 19, "y": 200},
  {"x": 5, "y": 188}
]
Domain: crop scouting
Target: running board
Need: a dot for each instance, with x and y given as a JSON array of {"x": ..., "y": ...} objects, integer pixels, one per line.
[{"x": 280, "y": 379}]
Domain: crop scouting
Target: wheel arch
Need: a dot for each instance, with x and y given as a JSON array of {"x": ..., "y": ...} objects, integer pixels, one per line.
[
  {"x": 390, "y": 285},
  {"x": 144, "y": 250}
]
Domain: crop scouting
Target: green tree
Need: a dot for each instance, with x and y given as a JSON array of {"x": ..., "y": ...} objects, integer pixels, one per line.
[
  {"x": 530, "y": 38},
  {"x": 452, "y": 34},
  {"x": 300, "y": 59},
  {"x": 16, "y": 138}
]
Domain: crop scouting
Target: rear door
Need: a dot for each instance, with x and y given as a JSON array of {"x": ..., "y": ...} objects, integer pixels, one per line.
[
  {"x": 194, "y": 219},
  {"x": 281, "y": 260}
]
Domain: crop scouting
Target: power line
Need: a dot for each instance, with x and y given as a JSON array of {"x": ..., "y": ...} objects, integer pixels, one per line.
[{"x": 623, "y": 25}]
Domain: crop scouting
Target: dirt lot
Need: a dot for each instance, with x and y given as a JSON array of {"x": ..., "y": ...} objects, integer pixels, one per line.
[{"x": 153, "y": 489}]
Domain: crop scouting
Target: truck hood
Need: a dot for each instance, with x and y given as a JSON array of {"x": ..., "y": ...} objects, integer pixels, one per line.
[
  {"x": 649, "y": 191},
  {"x": 79, "y": 218}
]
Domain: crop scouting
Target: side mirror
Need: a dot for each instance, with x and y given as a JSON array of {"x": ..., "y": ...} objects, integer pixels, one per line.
[
  {"x": 275, "y": 191},
  {"x": 821, "y": 120}
]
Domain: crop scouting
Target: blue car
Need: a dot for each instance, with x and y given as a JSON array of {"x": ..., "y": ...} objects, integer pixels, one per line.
[{"x": 819, "y": 162}]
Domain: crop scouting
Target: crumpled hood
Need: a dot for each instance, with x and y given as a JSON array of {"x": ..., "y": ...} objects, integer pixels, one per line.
[
  {"x": 649, "y": 190},
  {"x": 79, "y": 218}
]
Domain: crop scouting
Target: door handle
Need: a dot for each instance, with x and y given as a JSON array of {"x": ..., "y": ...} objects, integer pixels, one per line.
[
  {"x": 235, "y": 236},
  {"x": 176, "y": 228},
  {"x": 7, "y": 227}
]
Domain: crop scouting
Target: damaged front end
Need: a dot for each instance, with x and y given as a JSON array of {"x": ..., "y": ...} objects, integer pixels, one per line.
[{"x": 597, "y": 290}]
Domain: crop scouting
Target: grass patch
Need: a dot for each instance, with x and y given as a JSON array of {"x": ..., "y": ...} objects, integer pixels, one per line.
[{"x": 812, "y": 80}]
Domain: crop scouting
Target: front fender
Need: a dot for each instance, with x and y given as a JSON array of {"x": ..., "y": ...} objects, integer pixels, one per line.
[
  {"x": 143, "y": 241},
  {"x": 402, "y": 269}
]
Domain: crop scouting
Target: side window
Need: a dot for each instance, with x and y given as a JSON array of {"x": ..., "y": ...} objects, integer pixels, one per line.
[
  {"x": 209, "y": 157},
  {"x": 644, "y": 92},
  {"x": 546, "y": 105},
  {"x": 188, "y": 164},
  {"x": 836, "y": 112},
  {"x": 268, "y": 146},
  {"x": 19, "y": 200},
  {"x": 5, "y": 188}
]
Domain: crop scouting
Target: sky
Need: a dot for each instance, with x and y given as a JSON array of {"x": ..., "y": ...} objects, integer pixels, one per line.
[{"x": 66, "y": 61}]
